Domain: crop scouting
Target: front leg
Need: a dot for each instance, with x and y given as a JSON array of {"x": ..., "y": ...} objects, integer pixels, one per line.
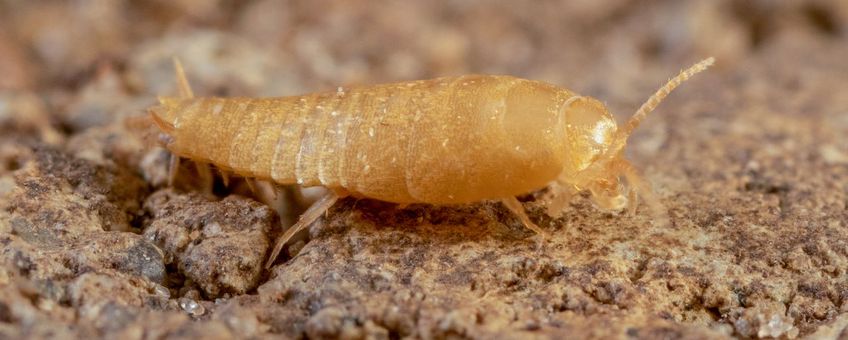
[{"x": 558, "y": 197}]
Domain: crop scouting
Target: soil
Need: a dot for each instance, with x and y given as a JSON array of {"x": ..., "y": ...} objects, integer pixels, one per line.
[{"x": 750, "y": 159}]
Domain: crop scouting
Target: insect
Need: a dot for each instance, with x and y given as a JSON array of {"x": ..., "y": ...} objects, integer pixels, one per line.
[{"x": 441, "y": 141}]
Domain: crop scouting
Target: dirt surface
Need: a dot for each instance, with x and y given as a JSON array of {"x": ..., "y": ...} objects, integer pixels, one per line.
[{"x": 750, "y": 159}]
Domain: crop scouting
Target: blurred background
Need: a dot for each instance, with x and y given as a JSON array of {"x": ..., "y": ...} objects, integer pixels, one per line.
[{"x": 89, "y": 62}]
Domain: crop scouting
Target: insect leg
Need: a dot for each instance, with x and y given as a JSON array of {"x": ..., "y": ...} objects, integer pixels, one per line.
[
  {"x": 642, "y": 188},
  {"x": 298, "y": 198},
  {"x": 560, "y": 197},
  {"x": 173, "y": 168},
  {"x": 206, "y": 177},
  {"x": 225, "y": 178},
  {"x": 515, "y": 206},
  {"x": 251, "y": 185},
  {"x": 311, "y": 214},
  {"x": 632, "y": 198}
]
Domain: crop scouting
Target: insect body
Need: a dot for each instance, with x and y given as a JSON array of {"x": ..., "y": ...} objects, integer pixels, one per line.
[{"x": 441, "y": 141}]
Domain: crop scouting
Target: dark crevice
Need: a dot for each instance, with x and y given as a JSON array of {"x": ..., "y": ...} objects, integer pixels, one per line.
[
  {"x": 757, "y": 19},
  {"x": 639, "y": 271},
  {"x": 822, "y": 19},
  {"x": 65, "y": 128},
  {"x": 766, "y": 187},
  {"x": 6, "y": 314},
  {"x": 714, "y": 313},
  {"x": 12, "y": 164}
]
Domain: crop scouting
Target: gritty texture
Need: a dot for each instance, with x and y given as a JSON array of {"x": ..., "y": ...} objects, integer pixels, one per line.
[
  {"x": 750, "y": 160},
  {"x": 190, "y": 230}
]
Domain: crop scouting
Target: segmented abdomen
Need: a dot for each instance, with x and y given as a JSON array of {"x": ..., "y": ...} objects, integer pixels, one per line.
[{"x": 433, "y": 141}]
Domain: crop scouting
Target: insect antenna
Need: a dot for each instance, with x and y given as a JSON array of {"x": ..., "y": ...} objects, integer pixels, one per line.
[
  {"x": 182, "y": 81},
  {"x": 624, "y": 132}
]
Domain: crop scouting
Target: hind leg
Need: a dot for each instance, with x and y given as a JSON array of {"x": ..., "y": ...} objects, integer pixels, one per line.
[{"x": 310, "y": 215}]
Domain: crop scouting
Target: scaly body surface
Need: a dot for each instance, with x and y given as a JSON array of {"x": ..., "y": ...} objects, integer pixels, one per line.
[{"x": 440, "y": 141}]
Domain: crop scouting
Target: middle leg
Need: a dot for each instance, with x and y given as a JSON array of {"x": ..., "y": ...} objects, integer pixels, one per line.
[{"x": 515, "y": 206}]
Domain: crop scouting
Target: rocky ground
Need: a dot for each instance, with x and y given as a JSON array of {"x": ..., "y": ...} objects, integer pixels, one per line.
[{"x": 750, "y": 159}]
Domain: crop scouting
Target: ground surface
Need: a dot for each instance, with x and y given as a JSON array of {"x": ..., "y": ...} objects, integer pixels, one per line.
[{"x": 750, "y": 159}]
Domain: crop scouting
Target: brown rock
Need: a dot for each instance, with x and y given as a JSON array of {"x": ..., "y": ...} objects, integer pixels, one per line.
[{"x": 220, "y": 246}]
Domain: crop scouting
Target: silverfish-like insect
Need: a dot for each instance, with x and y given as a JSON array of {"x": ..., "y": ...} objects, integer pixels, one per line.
[{"x": 442, "y": 141}]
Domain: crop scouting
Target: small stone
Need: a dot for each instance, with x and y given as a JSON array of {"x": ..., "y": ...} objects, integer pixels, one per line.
[{"x": 191, "y": 307}]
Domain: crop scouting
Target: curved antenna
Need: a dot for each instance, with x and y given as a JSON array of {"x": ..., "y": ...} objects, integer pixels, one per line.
[
  {"x": 652, "y": 102},
  {"x": 182, "y": 81}
]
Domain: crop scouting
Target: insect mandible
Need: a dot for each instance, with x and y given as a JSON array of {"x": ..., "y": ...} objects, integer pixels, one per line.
[{"x": 442, "y": 141}]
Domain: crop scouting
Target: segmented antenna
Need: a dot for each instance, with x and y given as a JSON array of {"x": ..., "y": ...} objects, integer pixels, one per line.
[{"x": 653, "y": 101}]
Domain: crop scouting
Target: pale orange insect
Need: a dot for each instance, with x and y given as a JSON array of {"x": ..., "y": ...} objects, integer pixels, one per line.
[{"x": 441, "y": 141}]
